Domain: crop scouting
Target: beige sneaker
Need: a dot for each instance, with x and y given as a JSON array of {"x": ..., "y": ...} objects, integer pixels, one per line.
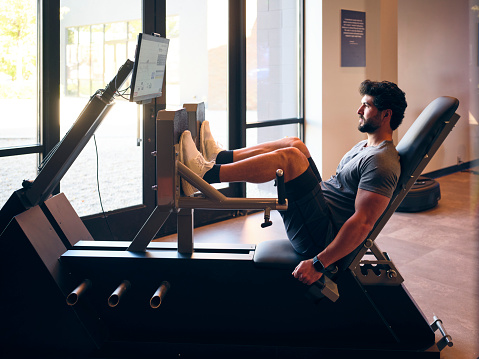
[
  {"x": 192, "y": 159},
  {"x": 208, "y": 146}
]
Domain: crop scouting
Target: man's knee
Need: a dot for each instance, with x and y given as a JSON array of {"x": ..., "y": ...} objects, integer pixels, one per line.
[
  {"x": 297, "y": 143},
  {"x": 294, "y": 162}
]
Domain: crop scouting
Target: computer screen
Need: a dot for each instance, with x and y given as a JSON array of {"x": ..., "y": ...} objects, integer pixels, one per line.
[{"x": 149, "y": 68}]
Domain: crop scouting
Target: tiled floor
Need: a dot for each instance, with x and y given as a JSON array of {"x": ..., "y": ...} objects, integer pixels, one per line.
[{"x": 436, "y": 251}]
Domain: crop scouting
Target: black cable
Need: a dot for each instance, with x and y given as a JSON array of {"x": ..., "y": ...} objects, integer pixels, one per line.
[
  {"x": 55, "y": 148},
  {"x": 122, "y": 94},
  {"x": 98, "y": 187}
]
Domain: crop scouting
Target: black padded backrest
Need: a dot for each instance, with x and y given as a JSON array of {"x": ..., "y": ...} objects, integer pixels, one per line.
[
  {"x": 419, "y": 140},
  {"x": 415, "y": 149}
]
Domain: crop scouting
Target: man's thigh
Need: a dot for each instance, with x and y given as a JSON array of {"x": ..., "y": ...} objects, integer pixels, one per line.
[{"x": 308, "y": 223}]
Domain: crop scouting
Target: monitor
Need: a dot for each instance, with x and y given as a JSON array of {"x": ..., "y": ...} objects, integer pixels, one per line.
[{"x": 149, "y": 68}]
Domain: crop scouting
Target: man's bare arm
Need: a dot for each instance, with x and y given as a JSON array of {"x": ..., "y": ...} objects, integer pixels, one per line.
[{"x": 368, "y": 208}]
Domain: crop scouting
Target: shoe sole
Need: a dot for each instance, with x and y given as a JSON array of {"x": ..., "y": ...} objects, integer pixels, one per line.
[
  {"x": 188, "y": 189},
  {"x": 202, "y": 143}
]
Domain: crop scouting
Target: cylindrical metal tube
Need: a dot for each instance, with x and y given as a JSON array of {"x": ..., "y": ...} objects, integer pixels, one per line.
[
  {"x": 198, "y": 182},
  {"x": 446, "y": 339},
  {"x": 280, "y": 186},
  {"x": 159, "y": 295},
  {"x": 75, "y": 295},
  {"x": 232, "y": 203},
  {"x": 115, "y": 297}
]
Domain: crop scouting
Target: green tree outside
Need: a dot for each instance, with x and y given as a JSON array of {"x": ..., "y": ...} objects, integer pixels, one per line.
[{"x": 18, "y": 48}]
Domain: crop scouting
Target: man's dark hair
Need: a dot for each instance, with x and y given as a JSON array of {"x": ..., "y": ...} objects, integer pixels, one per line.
[{"x": 387, "y": 95}]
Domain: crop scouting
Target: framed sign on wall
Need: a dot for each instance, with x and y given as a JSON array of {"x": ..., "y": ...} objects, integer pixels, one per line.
[{"x": 353, "y": 38}]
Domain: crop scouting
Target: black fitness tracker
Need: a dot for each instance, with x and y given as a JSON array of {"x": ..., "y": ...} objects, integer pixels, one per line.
[{"x": 318, "y": 265}]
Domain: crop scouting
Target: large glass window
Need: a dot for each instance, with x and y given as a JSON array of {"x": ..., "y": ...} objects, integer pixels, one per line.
[
  {"x": 197, "y": 63},
  {"x": 272, "y": 60},
  {"x": 274, "y": 81},
  {"x": 94, "y": 45},
  {"x": 18, "y": 92},
  {"x": 95, "y": 39}
]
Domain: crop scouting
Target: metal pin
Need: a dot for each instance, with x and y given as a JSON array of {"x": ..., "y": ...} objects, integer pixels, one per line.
[
  {"x": 159, "y": 295},
  {"x": 114, "y": 299},
  {"x": 75, "y": 295}
]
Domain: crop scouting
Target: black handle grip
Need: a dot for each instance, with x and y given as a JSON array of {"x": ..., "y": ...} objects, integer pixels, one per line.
[{"x": 280, "y": 185}]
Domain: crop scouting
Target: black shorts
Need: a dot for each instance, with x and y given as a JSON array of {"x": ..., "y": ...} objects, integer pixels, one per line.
[{"x": 307, "y": 220}]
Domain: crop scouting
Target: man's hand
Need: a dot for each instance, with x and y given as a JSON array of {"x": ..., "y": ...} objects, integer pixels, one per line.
[{"x": 306, "y": 273}]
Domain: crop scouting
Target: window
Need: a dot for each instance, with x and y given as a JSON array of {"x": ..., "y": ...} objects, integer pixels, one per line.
[
  {"x": 274, "y": 79},
  {"x": 196, "y": 69},
  {"x": 240, "y": 57},
  {"x": 94, "y": 48},
  {"x": 272, "y": 60},
  {"x": 19, "y": 130}
]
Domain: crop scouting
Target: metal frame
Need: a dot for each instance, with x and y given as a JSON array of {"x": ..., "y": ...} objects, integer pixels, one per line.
[
  {"x": 435, "y": 144},
  {"x": 170, "y": 125}
]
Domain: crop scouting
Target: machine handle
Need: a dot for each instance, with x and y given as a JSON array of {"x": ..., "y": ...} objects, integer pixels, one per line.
[
  {"x": 446, "y": 339},
  {"x": 280, "y": 185},
  {"x": 267, "y": 218}
]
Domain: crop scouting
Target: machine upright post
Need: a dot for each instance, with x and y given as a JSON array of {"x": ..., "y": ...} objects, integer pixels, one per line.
[{"x": 185, "y": 230}]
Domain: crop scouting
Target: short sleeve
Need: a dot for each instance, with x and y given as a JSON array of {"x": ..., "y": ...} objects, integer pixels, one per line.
[{"x": 379, "y": 175}]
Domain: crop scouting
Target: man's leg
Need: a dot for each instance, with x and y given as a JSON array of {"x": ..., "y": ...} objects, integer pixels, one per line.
[
  {"x": 266, "y": 147},
  {"x": 210, "y": 149},
  {"x": 257, "y": 169},
  {"x": 307, "y": 219},
  {"x": 262, "y": 167}
]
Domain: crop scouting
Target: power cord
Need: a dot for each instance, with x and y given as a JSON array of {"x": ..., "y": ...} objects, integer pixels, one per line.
[
  {"x": 98, "y": 187},
  {"x": 121, "y": 94}
]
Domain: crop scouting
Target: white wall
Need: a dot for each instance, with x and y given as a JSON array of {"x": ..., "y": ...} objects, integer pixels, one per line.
[
  {"x": 428, "y": 47},
  {"x": 331, "y": 93},
  {"x": 434, "y": 60}
]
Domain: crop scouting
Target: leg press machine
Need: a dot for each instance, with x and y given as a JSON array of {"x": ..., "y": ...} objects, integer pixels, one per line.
[{"x": 65, "y": 293}]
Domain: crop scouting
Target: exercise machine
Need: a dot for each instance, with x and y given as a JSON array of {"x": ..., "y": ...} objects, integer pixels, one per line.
[
  {"x": 66, "y": 294},
  {"x": 98, "y": 298}
]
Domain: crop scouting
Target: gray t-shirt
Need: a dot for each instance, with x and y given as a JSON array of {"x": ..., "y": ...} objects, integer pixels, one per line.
[{"x": 372, "y": 168}]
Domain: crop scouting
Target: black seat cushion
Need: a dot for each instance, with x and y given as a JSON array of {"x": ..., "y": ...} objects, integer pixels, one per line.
[{"x": 276, "y": 253}]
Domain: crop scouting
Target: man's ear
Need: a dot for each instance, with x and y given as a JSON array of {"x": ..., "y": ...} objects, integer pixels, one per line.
[{"x": 387, "y": 113}]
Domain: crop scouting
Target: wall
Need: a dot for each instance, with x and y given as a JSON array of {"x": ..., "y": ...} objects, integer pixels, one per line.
[
  {"x": 435, "y": 60},
  {"x": 428, "y": 47},
  {"x": 330, "y": 109}
]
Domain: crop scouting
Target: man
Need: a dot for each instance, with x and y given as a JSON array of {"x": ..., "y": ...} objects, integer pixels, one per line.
[{"x": 325, "y": 220}]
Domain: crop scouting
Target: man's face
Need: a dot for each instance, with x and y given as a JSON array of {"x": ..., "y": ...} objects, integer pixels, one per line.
[{"x": 370, "y": 118}]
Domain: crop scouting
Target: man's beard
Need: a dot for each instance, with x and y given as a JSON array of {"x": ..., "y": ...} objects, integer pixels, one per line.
[{"x": 368, "y": 126}]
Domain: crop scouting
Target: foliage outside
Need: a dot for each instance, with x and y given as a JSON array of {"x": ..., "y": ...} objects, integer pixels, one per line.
[{"x": 18, "y": 47}]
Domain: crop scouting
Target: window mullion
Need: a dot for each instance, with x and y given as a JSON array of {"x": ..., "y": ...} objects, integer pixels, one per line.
[
  {"x": 49, "y": 75},
  {"x": 237, "y": 81}
]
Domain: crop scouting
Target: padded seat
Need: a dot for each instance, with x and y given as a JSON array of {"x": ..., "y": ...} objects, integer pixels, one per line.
[{"x": 277, "y": 254}]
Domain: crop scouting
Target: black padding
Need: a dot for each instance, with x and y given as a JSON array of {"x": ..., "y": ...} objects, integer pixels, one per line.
[
  {"x": 277, "y": 253},
  {"x": 422, "y": 134}
]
